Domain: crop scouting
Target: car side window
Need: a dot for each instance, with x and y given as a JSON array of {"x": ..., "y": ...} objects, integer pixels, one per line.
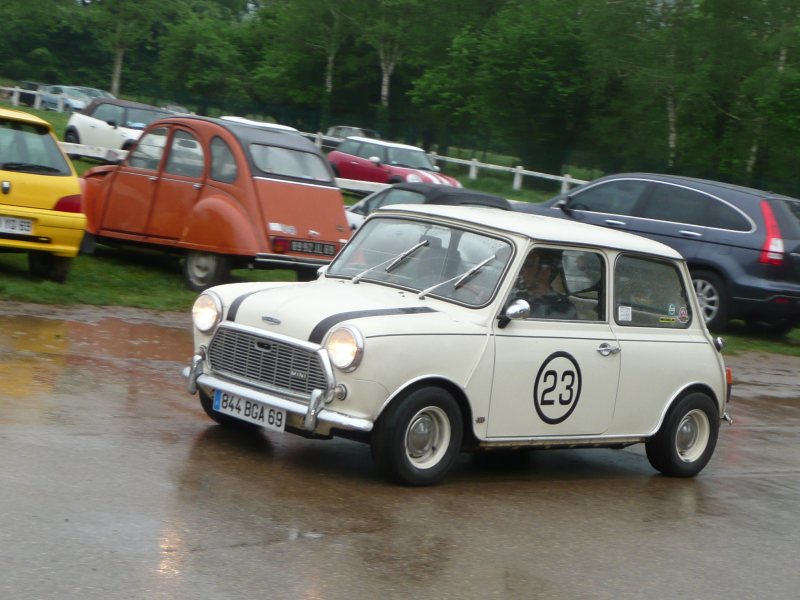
[
  {"x": 349, "y": 147},
  {"x": 109, "y": 112},
  {"x": 562, "y": 284},
  {"x": 370, "y": 150},
  {"x": 223, "y": 164},
  {"x": 614, "y": 197},
  {"x": 678, "y": 205},
  {"x": 149, "y": 150},
  {"x": 186, "y": 155},
  {"x": 650, "y": 293}
]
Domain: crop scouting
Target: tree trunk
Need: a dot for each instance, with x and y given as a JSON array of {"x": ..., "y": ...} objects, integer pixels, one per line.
[
  {"x": 672, "y": 128},
  {"x": 119, "y": 56}
]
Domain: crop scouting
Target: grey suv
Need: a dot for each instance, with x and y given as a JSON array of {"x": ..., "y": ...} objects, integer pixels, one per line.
[{"x": 742, "y": 244}]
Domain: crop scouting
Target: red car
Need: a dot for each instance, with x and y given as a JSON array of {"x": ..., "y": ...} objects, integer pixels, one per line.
[
  {"x": 367, "y": 159},
  {"x": 224, "y": 194}
]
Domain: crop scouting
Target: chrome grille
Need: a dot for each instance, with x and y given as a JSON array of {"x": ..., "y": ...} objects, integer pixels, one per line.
[{"x": 265, "y": 362}]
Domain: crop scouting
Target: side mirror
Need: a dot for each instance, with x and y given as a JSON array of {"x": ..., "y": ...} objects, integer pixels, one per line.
[
  {"x": 437, "y": 168},
  {"x": 375, "y": 160},
  {"x": 563, "y": 204},
  {"x": 112, "y": 123},
  {"x": 518, "y": 309}
]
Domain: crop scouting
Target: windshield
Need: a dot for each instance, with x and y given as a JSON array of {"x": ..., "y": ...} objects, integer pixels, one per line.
[
  {"x": 406, "y": 157},
  {"x": 425, "y": 257},
  {"x": 30, "y": 148}
]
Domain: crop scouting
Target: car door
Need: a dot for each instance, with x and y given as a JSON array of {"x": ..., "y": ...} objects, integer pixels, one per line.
[
  {"x": 98, "y": 129},
  {"x": 179, "y": 187},
  {"x": 133, "y": 188},
  {"x": 611, "y": 203},
  {"x": 363, "y": 168},
  {"x": 662, "y": 343},
  {"x": 556, "y": 373}
]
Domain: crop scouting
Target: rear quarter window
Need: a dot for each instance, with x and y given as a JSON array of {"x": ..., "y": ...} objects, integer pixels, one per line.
[
  {"x": 650, "y": 293},
  {"x": 274, "y": 160}
]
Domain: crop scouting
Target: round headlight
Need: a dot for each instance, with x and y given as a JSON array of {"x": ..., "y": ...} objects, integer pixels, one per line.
[
  {"x": 345, "y": 347},
  {"x": 413, "y": 178},
  {"x": 207, "y": 312}
]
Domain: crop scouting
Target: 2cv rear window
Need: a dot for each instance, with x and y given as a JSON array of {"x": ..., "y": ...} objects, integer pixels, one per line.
[{"x": 285, "y": 162}]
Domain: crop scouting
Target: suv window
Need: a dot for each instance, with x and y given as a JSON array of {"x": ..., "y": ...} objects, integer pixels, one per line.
[
  {"x": 615, "y": 197},
  {"x": 185, "y": 155},
  {"x": 650, "y": 293},
  {"x": 149, "y": 150}
]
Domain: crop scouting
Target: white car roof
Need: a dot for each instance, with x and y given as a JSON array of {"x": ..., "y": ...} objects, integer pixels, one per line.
[
  {"x": 384, "y": 143},
  {"x": 538, "y": 227},
  {"x": 276, "y": 126}
]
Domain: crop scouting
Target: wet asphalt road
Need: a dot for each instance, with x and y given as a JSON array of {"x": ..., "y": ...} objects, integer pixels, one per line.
[{"x": 114, "y": 484}]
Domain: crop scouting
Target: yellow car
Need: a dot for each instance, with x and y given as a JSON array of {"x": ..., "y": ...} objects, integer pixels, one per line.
[{"x": 40, "y": 196}]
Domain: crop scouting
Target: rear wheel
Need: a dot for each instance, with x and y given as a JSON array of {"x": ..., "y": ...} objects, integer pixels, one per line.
[
  {"x": 207, "y": 402},
  {"x": 687, "y": 438},
  {"x": 418, "y": 439},
  {"x": 49, "y": 266},
  {"x": 713, "y": 298},
  {"x": 201, "y": 270}
]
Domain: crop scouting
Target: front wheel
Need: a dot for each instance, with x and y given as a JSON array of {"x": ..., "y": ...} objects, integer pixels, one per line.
[
  {"x": 201, "y": 270},
  {"x": 687, "y": 438},
  {"x": 712, "y": 296},
  {"x": 49, "y": 266},
  {"x": 418, "y": 439}
]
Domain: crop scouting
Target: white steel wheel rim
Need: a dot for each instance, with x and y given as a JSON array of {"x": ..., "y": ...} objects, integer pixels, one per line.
[
  {"x": 692, "y": 435},
  {"x": 708, "y": 297},
  {"x": 427, "y": 437},
  {"x": 200, "y": 266}
]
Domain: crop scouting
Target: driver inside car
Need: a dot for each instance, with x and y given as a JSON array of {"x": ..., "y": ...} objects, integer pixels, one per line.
[{"x": 541, "y": 285}]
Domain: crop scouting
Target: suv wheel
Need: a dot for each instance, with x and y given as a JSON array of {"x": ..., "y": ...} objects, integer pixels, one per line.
[{"x": 713, "y": 299}]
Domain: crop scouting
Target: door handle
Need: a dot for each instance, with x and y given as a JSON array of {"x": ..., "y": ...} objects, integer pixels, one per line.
[
  {"x": 689, "y": 233},
  {"x": 607, "y": 349},
  {"x": 616, "y": 223},
  {"x": 152, "y": 178},
  {"x": 197, "y": 186}
]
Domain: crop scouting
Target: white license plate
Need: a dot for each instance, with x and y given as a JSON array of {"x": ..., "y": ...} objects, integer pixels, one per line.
[
  {"x": 251, "y": 411},
  {"x": 13, "y": 225}
]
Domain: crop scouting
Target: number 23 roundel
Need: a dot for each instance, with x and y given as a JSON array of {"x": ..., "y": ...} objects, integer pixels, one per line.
[{"x": 557, "y": 388}]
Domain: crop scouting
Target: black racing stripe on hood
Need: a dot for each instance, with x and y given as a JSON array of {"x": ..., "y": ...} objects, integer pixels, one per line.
[
  {"x": 324, "y": 326},
  {"x": 237, "y": 303}
]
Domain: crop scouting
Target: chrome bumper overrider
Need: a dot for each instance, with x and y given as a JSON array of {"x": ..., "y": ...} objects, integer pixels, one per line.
[{"x": 313, "y": 413}]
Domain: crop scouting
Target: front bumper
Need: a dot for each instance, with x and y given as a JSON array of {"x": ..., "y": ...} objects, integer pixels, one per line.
[{"x": 315, "y": 417}]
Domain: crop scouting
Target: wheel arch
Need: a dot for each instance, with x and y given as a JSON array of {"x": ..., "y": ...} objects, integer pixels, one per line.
[
  {"x": 700, "y": 387},
  {"x": 455, "y": 390}
]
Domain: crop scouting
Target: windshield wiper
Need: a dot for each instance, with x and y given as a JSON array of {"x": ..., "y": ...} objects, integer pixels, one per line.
[
  {"x": 393, "y": 262},
  {"x": 19, "y": 166},
  {"x": 462, "y": 278}
]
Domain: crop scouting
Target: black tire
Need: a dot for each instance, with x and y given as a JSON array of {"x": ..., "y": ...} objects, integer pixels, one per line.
[
  {"x": 88, "y": 243},
  {"x": 712, "y": 294},
  {"x": 72, "y": 137},
  {"x": 687, "y": 438},
  {"x": 226, "y": 421},
  {"x": 201, "y": 270},
  {"x": 49, "y": 266},
  {"x": 418, "y": 439}
]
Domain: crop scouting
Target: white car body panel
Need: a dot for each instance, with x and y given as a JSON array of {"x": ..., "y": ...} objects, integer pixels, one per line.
[{"x": 623, "y": 395}]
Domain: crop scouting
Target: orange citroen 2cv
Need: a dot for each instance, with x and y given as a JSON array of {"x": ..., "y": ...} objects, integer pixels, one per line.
[{"x": 224, "y": 194}]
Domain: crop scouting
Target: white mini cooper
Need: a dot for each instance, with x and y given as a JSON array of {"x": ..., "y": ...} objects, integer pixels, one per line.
[{"x": 441, "y": 329}]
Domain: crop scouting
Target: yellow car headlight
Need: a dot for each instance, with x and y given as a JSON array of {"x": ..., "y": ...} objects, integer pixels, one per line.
[
  {"x": 207, "y": 311},
  {"x": 345, "y": 347}
]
